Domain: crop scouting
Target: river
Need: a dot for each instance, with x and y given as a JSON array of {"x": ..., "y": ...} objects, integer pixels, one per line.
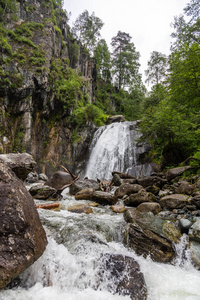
[{"x": 68, "y": 269}]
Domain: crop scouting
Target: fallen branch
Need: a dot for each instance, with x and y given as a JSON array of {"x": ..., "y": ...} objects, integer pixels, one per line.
[
  {"x": 48, "y": 205},
  {"x": 105, "y": 186},
  {"x": 69, "y": 172}
]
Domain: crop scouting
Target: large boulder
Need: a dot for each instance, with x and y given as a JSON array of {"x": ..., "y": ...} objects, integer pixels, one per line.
[
  {"x": 121, "y": 274},
  {"x": 21, "y": 163},
  {"x": 151, "y": 235},
  {"x": 174, "y": 201},
  {"x": 104, "y": 198},
  {"x": 22, "y": 237},
  {"x": 59, "y": 179},
  {"x": 127, "y": 189},
  {"x": 138, "y": 198},
  {"x": 185, "y": 188}
]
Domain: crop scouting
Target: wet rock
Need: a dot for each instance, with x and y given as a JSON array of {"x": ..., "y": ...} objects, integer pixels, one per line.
[
  {"x": 138, "y": 198},
  {"x": 174, "y": 172},
  {"x": 32, "y": 177},
  {"x": 127, "y": 189},
  {"x": 20, "y": 163},
  {"x": 118, "y": 208},
  {"x": 59, "y": 179},
  {"x": 42, "y": 177},
  {"x": 80, "y": 208},
  {"x": 151, "y": 235},
  {"x": 116, "y": 180},
  {"x": 174, "y": 201},
  {"x": 121, "y": 274},
  {"x": 194, "y": 231},
  {"x": 184, "y": 188},
  {"x": 153, "y": 207},
  {"x": 104, "y": 198},
  {"x": 85, "y": 194},
  {"x": 185, "y": 225},
  {"x": 83, "y": 184},
  {"x": 22, "y": 237},
  {"x": 41, "y": 191},
  {"x": 195, "y": 252},
  {"x": 196, "y": 201},
  {"x": 153, "y": 189}
]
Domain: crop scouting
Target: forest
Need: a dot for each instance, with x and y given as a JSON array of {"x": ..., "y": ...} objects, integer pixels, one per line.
[{"x": 169, "y": 113}]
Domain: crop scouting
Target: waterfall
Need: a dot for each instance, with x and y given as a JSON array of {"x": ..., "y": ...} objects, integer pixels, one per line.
[
  {"x": 115, "y": 148},
  {"x": 68, "y": 269}
]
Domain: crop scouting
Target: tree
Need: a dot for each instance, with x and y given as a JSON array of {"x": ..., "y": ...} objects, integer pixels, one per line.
[
  {"x": 103, "y": 59},
  {"x": 125, "y": 59},
  {"x": 157, "y": 66},
  {"x": 87, "y": 29}
]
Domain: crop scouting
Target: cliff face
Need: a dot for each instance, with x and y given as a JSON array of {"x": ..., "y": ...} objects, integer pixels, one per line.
[{"x": 44, "y": 75}]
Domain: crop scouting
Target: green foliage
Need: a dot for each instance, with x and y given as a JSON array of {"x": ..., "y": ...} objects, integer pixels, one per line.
[
  {"x": 125, "y": 60},
  {"x": 7, "y": 6},
  {"x": 103, "y": 60},
  {"x": 87, "y": 29},
  {"x": 84, "y": 114},
  {"x": 157, "y": 67}
]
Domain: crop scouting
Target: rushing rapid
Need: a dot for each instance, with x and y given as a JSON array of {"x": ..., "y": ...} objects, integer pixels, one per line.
[{"x": 69, "y": 268}]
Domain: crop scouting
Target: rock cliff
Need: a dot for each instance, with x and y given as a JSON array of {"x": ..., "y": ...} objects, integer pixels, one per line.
[{"x": 44, "y": 75}]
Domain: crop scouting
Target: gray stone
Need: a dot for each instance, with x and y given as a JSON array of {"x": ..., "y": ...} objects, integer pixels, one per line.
[
  {"x": 153, "y": 207},
  {"x": 83, "y": 184},
  {"x": 121, "y": 274},
  {"x": 151, "y": 235},
  {"x": 127, "y": 189},
  {"x": 174, "y": 172},
  {"x": 194, "y": 231},
  {"x": 185, "y": 225},
  {"x": 138, "y": 198},
  {"x": 174, "y": 201},
  {"x": 104, "y": 198},
  {"x": 41, "y": 191},
  {"x": 59, "y": 179}
]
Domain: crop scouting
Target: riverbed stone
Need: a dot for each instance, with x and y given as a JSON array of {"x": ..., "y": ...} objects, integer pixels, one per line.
[
  {"x": 104, "y": 198},
  {"x": 185, "y": 188},
  {"x": 121, "y": 274},
  {"x": 153, "y": 207},
  {"x": 138, "y": 198},
  {"x": 127, "y": 189},
  {"x": 151, "y": 181},
  {"x": 195, "y": 252},
  {"x": 174, "y": 201},
  {"x": 41, "y": 191},
  {"x": 118, "y": 208},
  {"x": 185, "y": 225},
  {"x": 174, "y": 172},
  {"x": 194, "y": 231},
  {"x": 85, "y": 194},
  {"x": 22, "y": 237},
  {"x": 151, "y": 235},
  {"x": 80, "y": 208}
]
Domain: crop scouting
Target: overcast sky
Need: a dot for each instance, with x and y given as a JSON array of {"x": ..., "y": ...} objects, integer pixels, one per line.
[{"x": 147, "y": 21}]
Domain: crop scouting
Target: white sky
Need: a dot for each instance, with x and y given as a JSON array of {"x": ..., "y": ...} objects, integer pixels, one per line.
[{"x": 147, "y": 21}]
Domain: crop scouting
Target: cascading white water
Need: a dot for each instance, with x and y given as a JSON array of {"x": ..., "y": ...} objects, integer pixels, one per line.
[
  {"x": 114, "y": 148},
  {"x": 68, "y": 269}
]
